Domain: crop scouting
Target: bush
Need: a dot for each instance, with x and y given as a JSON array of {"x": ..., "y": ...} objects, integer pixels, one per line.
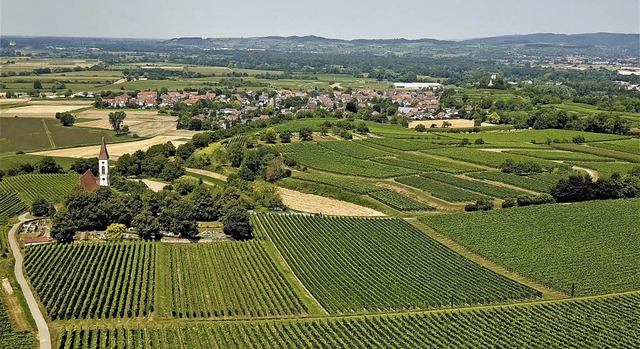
[
  {"x": 578, "y": 139},
  {"x": 420, "y": 128},
  {"x": 528, "y": 200},
  {"x": 511, "y": 202},
  {"x": 479, "y": 141},
  {"x": 480, "y": 205}
]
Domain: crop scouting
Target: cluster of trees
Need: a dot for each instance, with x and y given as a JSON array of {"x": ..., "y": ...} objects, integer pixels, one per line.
[
  {"x": 66, "y": 118},
  {"x": 520, "y": 168},
  {"x": 528, "y": 200},
  {"x": 116, "y": 120},
  {"x": 154, "y": 162},
  {"x": 46, "y": 165},
  {"x": 480, "y": 205},
  {"x": 151, "y": 214},
  {"x": 583, "y": 188},
  {"x": 260, "y": 162}
]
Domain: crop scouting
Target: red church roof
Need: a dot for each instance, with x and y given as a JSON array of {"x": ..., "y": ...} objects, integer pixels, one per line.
[
  {"x": 88, "y": 182},
  {"x": 104, "y": 155}
]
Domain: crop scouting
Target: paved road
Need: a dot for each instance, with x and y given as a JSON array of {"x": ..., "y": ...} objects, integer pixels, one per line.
[{"x": 43, "y": 329}]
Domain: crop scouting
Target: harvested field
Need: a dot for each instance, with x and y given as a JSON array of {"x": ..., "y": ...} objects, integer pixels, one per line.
[
  {"x": 144, "y": 123},
  {"x": 115, "y": 150},
  {"x": 5, "y": 101},
  {"x": 457, "y": 123},
  {"x": 42, "y": 110},
  {"x": 298, "y": 201}
]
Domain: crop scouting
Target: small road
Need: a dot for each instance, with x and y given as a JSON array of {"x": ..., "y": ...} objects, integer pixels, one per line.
[
  {"x": 41, "y": 323},
  {"x": 46, "y": 130}
]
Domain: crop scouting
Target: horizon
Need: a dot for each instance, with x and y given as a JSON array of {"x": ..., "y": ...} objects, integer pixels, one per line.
[{"x": 455, "y": 20}]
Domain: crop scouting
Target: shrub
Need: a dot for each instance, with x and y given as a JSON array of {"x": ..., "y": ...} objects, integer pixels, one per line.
[
  {"x": 480, "y": 205},
  {"x": 511, "y": 202},
  {"x": 528, "y": 200}
]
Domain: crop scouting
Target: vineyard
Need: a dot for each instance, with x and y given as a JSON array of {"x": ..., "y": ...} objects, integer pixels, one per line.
[
  {"x": 410, "y": 144},
  {"x": 537, "y": 182},
  {"x": 627, "y": 145},
  {"x": 407, "y": 164},
  {"x": 398, "y": 201},
  {"x": 557, "y": 245},
  {"x": 353, "y": 149},
  {"x": 10, "y": 337},
  {"x": 440, "y": 190},
  {"x": 10, "y": 204},
  {"x": 606, "y": 169},
  {"x": 604, "y": 152},
  {"x": 439, "y": 163},
  {"x": 560, "y": 155},
  {"x": 226, "y": 279},
  {"x": 480, "y": 187},
  {"x": 93, "y": 280},
  {"x": 237, "y": 141},
  {"x": 52, "y": 187},
  {"x": 351, "y": 184},
  {"x": 488, "y": 158},
  {"x": 609, "y": 322},
  {"x": 369, "y": 265},
  {"x": 319, "y": 157}
]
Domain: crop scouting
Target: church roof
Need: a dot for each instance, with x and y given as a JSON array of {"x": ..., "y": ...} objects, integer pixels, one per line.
[
  {"x": 88, "y": 182},
  {"x": 104, "y": 155}
]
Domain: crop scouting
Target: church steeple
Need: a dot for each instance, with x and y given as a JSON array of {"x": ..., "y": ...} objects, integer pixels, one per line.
[{"x": 103, "y": 164}]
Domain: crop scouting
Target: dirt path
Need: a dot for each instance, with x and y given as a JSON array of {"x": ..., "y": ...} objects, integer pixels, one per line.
[
  {"x": 207, "y": 173},
  {"x": 298, "y": 201},
  {"x": 154, "y": 185},
  {"x": 48, "y": 133},
  {"x": 547, "y": 293},
  {"x": 593, "y": 173},
  {"x": 41, "y": 323}
]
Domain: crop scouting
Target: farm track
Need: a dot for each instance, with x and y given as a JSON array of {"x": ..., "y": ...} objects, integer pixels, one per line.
[
  {"x": 43, "y": 329},
  {"x": 48, "y": 133}
]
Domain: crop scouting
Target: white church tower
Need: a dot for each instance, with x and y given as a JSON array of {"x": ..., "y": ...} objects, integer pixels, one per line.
[{"x": 103, "y": 164}]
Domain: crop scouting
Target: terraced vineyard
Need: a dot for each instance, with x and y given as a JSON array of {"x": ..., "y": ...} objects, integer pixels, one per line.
[
  {"x": 609, "y": 153},
  {"x": 10, "y": 204},
  {"x": 93, "y": 280},
  {"x": 226, "y": 279},
  {"x": 411, "y": 144},
  {"x": 480, "y": 187},
  {"x": 369, "y": 265},
  {"x": 440, "y": 190},
  {"x": 598, "y": 323},
  {"x": 351, "y": 184},
  {"x": 487, "y": 158},
  {"x": 560, "y": 155},
  {"x": 354, "y": 149},
  {"x": 398, "y": 201},
  {"x": 536, "y": 182},
  {"x": 628, "y": 145},
  {"x": 406, "y": 164},
  {"x": 52, "y": 187},
  {"x": 557, "y": 245},
  {"x": 441, "y": 164},
  {"x": 319, "y": 157}
]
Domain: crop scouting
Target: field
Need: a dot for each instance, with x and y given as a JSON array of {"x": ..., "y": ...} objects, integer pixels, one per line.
[
  {"x": 354, "y": 149},
  {"x": 410, "y": 144},
  {"x": 372, "y": 264},
  {"x": 41, "y": 110},
  {"x": 144, "y": 123},
  {"x": 559, "y": 155},
  {"x": 223, "y": 280},
  {"x": 10, "y": 204},
  {"x": 599, "y": 323},
  {"x": 115, "y": 150},
  {"x": 557, "y": 245},
  {"x": 476, "y": 186},
  {"x": 606, "y": 169},
  {"x": 52, "y": 187},
  {"x": 523, "y": 138},
  {"x": 627, "y": 145},
  {"x": 439, "y": 189},
  {"x": 351, "y": 184},
  {"x": 398, "y": 201},
  {"x": 616, "y": 154},
  {"x": 311, "y": 203},
  {"x": 537, "y": 182},
  {"x": 93, "y": 280},
  {"x": 28, "y": 134},
  {"x": 487, "y": 158}
]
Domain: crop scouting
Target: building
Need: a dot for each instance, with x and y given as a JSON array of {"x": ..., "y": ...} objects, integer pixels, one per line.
[{"x": 103, "y": 164}]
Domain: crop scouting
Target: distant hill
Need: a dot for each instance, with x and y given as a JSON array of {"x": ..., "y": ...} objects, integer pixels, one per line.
[{"x": 611, "y": 40}]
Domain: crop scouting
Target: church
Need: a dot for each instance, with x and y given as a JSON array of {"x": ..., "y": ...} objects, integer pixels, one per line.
[{"x": 88, "y": 180}]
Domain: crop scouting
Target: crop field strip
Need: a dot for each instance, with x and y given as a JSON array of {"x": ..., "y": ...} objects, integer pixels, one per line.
[
  {"x": 476, "y": 186},
  {"x": 610, "y": 153},
  {"x": 487, "y": 158},
  {"x": 321, "y": 158},
  {"x": 52, "y": 187},
  {"x": 354, "y": 149},
  {"x": 398, "y": 201},
  {"x": 558, "y": 245},
  {"x": 10, "y": 204},
  {"x": 410, "y": 144},
  {"x": 445, "y": 165},
  {"x": 537, "y": 182},
  {"x": 440, "y": 190},
  {"x": 355, "y": 185},
  {"x": 223, "y": 280},
  {"x": 354, "y": 265},
  {"x": 628, "y": 145},
  {"x": 521, "y": 137},
  {"x": 606, "y": 169},
  {"x": 93, "y": 280},
  {"x": 608, "y": 322}
]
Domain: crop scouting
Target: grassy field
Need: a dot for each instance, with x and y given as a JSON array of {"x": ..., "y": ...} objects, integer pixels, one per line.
[
  {"x": 557, "y": 245},
  {"x": 94, "y": 280},
  {"x": 223, "y": 280},
  {"x": 29, "y": 134},
  {"x": 359, "y": 265}
]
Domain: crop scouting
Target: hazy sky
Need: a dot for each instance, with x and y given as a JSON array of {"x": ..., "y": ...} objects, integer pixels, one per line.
[{"x": 347, "y": 19}]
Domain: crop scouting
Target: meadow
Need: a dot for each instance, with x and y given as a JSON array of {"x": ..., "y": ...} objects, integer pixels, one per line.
[
  {"x": 562, "y": 246},
  {"x": 355, "y": 265}
]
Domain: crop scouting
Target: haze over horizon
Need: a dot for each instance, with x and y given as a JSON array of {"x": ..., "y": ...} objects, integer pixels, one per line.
[{"x": 451, "y": 20}]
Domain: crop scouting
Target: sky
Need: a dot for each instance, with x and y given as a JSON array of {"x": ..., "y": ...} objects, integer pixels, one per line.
[{"x": 343, "y": 19}]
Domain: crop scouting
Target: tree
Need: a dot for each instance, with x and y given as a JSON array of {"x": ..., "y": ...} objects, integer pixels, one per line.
[
  {"x": 285, "y": 137},
  {"x": 63, "y": 227},
  {"x": 171, "y": 171},
  {"x": 306, "y": 134},
  {"x": 205, "y": 206},
  {"x": 274, "y": 170},
  {"x": 446, "y": 124},
  {"x": 236, "y": 222},
  {"x": 420, "y": 128},
  {"x": 48, "y": 166},
  {"x": 270, "y": 136},
  {"x": 66, "y": 119},
  {"x": 115, "y": 231},
  {"x": 146, "y": 225},
  {"x": 362, "y": 128},
  {"x": 184, "y": 151},
  {"x": 81, "y": 166},
  {"x": 42, "y": 208},
  {"x": 116, "y": 119},
  {"x": 235, "y": 154},
  {"x": 37, "y": 85}
]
